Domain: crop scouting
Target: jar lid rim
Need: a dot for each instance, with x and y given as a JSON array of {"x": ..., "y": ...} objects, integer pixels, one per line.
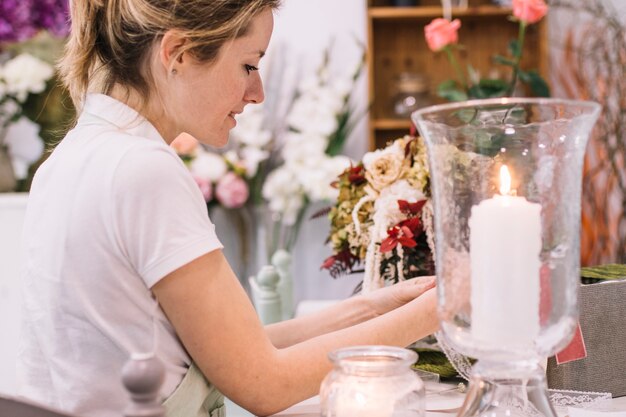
[{"x": 400, "y": 355}]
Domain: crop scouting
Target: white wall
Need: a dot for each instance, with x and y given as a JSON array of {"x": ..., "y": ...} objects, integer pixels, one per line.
[
  {"x": 302, "y": 30},
  {"x": 12, "y": 209}
]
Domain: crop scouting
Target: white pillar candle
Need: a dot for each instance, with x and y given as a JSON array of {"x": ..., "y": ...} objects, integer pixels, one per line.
[{"x": 505, "y": 244}]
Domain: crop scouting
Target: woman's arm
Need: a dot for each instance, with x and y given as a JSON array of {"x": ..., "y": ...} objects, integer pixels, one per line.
[
  {"x": 221, "y": 331},
  {"x": 347, "y": 313}
]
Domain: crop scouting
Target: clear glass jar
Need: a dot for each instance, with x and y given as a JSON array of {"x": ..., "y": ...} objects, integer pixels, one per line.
[
  {"x": 372, "y": 381},
  {"x": 506, "y": 180},
  {"x": 412, "y": 93}
]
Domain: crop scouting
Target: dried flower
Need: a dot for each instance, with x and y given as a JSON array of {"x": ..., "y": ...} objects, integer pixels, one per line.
[{"x": 379, "y": 219}]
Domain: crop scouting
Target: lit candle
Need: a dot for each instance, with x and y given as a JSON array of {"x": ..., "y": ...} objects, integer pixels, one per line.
[{"x": 505, "y": 243}]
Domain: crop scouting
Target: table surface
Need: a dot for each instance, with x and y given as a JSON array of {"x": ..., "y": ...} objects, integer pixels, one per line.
[{"x": 442, "y": 400}]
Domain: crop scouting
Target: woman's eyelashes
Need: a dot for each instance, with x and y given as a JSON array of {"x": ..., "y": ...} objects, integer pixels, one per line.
[{"x": 250, "y": 68}]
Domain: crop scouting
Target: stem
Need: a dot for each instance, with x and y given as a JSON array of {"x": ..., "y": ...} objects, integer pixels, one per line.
[
  {"x": 518, "y": 56},
  {"x": 455, "y": 65}
]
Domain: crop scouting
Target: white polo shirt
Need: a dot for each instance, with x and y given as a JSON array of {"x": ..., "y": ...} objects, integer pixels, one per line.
[{"x": 110, "y": 213}]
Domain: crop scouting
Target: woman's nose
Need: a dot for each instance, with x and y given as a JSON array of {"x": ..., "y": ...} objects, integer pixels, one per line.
[{"x": 254, "y": 93}]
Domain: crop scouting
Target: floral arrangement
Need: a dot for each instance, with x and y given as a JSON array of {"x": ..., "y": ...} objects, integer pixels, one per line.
[
  {"x": 31, "y": 38},
  {"x": 442, "y": 35},
  {"x": 383, "y": 216},
  {"x": 319, "y": 122}
]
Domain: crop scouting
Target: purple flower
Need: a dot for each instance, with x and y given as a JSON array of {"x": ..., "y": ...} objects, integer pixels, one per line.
[
  {"x": 16, "y": 23},
  {"x": 52, "y": 15},
  {"x": 22, "y": 19}
]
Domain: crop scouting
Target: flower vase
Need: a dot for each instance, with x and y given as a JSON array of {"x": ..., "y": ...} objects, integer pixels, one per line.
[
  {"x": 506, "y": 178},
  {"x": 236, "y": 229}
]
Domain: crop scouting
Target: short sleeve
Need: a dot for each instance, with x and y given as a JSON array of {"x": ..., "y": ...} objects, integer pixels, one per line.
[{"x": 160, "y": 218}]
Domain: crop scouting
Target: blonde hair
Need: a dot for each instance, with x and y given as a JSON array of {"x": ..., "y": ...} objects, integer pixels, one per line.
[{"x": 110, "y": 40}]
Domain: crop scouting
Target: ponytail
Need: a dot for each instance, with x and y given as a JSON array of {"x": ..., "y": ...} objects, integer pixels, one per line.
[{"x": 80, "y": 59}]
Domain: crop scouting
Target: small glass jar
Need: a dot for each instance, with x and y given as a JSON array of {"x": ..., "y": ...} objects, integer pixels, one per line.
[
  {"x": 372, "y": 381},
  {"x": 412, "y": 93}
]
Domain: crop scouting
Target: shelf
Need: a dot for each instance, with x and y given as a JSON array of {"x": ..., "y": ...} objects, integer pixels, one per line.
[
  {"x": 393, "y": 13},
  {"x": 391, "y": 124}
]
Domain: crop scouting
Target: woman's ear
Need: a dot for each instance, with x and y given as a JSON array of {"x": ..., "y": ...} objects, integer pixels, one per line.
[{"x": 170, "y": 50}]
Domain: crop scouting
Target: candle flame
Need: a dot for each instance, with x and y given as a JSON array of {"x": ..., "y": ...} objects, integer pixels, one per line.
[{"x": 505, "y": 180}]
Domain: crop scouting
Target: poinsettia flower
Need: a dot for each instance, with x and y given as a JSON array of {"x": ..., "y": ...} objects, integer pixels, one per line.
[
  {"x": 402, "y": 233},
  {"x": 410, "y": 208}
]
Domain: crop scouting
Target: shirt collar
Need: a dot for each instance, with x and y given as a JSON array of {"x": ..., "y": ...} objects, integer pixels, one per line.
[{"x": 119, "y": 114}]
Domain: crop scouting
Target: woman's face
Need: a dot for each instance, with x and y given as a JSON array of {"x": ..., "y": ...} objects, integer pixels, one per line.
[{"x": 204, "y": 98}]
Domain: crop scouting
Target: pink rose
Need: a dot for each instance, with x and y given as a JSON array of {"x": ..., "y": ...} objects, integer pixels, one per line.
[
  {"x": 232, "y": 191},
  {"x": 529, "y": 11},
  {"x": 184, "y": 144},
  {"x": 205, "y": 187},
  {"x": 441, "y": 33}
]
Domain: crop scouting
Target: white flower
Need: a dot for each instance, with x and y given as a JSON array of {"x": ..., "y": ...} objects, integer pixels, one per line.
[
  {"x": 316, "y": 180},
  {"x": 249, "y": 130},
  {"x": 330, "y": 99},
  {"x": 342, "y": 86},
  {"x": 309, "y": 115},
  {"x": 303, "y": 149},
  {"x": 25, "y": 145},
  {"x": 386, "y": 210},
  {"x": 208, "y": 166},
  {"x": 232, "y": 157},
  {"x": 396, "y": 148},
  {"x": 7, "y": 110},
  {"x": 26, "y": 74},
  {"x": 251, "y": 158},
  {"x": 284, "y": 194}
]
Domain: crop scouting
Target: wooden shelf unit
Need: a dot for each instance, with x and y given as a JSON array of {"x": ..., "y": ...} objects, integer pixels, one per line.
[{"x": 396, "y": 44}]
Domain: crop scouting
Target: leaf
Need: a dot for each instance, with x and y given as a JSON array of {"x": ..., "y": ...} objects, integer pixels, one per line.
[
  {"x": 320, "y": 213},
  {"x": 449, "y": 90},
  {"x": 434, "y": 361},
  {"x": 537, "y": 84},
  {"x": 514, "y": 48},
  {"x": 609, "y": 271},
  {"x": 488, "y": 88},
  {"x": 502, "y": 60}
]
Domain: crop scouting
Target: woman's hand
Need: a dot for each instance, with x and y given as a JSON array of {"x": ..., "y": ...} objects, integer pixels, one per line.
[{"x": 389, "y": 298}]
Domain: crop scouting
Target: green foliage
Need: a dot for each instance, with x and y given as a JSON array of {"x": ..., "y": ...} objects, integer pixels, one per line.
[
  {"x": 450, "y": 90},
  {"x": 604, "y": 272},
  {"x": 431, "y": 360},
  {"x": 536, "y": 83}
]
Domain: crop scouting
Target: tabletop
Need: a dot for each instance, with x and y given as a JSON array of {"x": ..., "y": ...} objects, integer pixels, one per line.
[{"x": 442, "y": 400}]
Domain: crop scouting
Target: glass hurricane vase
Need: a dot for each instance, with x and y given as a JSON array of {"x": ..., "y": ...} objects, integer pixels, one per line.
[{"x": 506, "y": 180}]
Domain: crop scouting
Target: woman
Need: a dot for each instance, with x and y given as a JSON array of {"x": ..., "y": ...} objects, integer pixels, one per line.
[{"x": 115, "y": 222}]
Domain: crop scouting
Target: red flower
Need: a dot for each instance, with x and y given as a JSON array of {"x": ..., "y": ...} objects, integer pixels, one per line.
[
  {"x": 402, "y": 233},
  {"x": 529, "y": 11},
  {"x": 356, "y": 175},
  {"x": 411, "y": 209},
  {"x": 441, "y": 33}
]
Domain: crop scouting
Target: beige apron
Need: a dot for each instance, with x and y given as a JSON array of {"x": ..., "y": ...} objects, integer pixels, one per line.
[{"x": 195, "y": 397}]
